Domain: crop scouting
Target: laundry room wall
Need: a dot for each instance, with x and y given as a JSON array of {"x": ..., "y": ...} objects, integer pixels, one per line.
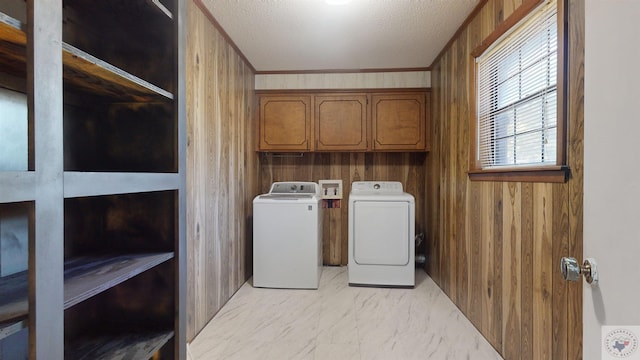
[
  {"x": 222, "y": 168},
  {"x": 494, "y": 247},
  {"x": 407, "y": 168}
]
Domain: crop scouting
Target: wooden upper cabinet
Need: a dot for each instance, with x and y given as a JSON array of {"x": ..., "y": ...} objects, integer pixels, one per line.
[
  {"x": 285, "y": 123},
  {"x": 341, "y": 122},
  {"x": 399, "y": 121}
]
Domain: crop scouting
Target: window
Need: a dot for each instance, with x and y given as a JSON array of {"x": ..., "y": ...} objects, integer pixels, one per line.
[{"x": 517, "y": 126}]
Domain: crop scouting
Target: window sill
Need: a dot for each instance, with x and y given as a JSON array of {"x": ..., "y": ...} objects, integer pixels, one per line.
[{"x": 547, "y": 174}]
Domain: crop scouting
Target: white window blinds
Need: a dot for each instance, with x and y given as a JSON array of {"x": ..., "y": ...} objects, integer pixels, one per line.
[{"x": 517, "y": 94}]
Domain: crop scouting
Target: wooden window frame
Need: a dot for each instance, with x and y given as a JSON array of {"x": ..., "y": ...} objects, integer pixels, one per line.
[{"x": 557, "y": 173}]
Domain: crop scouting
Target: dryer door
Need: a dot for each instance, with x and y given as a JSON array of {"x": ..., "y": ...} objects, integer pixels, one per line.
[{"x": 381, "y": 232}]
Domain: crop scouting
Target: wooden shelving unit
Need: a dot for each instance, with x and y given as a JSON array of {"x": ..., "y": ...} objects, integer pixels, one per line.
[{"x": 105, "y": 185}]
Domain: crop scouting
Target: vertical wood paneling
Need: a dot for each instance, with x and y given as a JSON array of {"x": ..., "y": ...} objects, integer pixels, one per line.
[
  {"x": 498, "y": 239},
  {"x": 335, "y": 227},
  {"x": 475, "y": 221},
  {"x": 196, "y": 306},
  {"x": 526, "y": 333},
  {"x": 542, "y": 282},
  {"x": 469, "y": 250},
  {"x": 559, "y": 248},
  {"x": 480, "y": 308},
  {"x": 221, "y": 170},
  {"x": 448, "y": 194},
  {"x": 576, "y": 163},
  {"x": 492, "y": 246},
  {"x": 432, "y": 238},
  {"x": 511, "y": 270}
]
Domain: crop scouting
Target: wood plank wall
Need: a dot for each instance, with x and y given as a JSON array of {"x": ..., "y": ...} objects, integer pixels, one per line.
[
  {"x": 222, "y": 169},
  {"x": 494, "y": 247},
  {"x": 407, "y": 168}
]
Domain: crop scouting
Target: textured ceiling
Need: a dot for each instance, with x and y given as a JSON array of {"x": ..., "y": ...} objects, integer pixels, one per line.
[{"x": 299, "y": 35}]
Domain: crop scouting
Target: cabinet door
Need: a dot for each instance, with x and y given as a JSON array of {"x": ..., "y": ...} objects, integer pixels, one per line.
[
  {"x": 285, "y": 123},
  {"x": 341, "y": 122},
  {"x": 399, "y": 121}
]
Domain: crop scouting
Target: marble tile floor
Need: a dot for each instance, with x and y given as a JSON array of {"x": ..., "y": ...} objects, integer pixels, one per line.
[{"x": 341, "y": 322}]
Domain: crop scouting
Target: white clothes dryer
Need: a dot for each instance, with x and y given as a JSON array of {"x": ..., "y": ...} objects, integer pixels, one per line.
[
  {"x": 381, "y": 235},
  {"x": 287, "y": 236}
]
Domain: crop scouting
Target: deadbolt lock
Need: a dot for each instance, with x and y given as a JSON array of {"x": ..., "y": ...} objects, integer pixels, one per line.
[{"x": 571, "y": 270}]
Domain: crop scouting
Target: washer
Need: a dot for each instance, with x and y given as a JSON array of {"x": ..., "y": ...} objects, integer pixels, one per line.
[
  {"x": 287, "y": 236},
  {"x": 381, "y": 235}
]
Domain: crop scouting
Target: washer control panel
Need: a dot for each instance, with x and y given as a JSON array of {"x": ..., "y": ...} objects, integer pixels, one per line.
[
  {"x": 294, "y": 187},
  {"x": 375, "y": 187}
]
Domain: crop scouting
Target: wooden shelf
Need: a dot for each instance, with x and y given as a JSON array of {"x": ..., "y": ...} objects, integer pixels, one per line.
[
  {"x": 14, "y": 306},
  {"x": 88, "y": 276},
  {"x": 11, "y": 30},
  {"x": 124, "y": 346},
  {"x": 81, "y": 70},
  {"x": 99, "y": 77},
  {"x": 79, "y": 184},
  {"x": 84, "y": 277}
]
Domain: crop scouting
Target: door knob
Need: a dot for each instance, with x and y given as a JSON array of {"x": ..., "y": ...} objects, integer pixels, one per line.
[{"x": 571, "y": 270}]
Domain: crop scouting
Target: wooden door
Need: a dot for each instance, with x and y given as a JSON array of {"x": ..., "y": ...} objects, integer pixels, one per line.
[
  {"x": 341, "y": 122},
  {"x": 285, "y": 123},
  {"x": 398, "y": 121}
]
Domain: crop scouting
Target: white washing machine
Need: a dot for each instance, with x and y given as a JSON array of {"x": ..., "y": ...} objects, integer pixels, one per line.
[
  {"x": 287, "y": 236},
  {"x": 381, "y": 234}
]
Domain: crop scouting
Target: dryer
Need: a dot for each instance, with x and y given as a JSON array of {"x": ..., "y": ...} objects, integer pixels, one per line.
[
  {"x": 381, "y": 235},
  {"x": 287, "y": 236}
]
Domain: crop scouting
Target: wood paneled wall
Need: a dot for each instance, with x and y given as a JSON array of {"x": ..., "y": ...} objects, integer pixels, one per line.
[
  {"x": 222, "y": 170},
  {"x": 494, "y": 247},
  {"x": 407, "y": 168}
]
